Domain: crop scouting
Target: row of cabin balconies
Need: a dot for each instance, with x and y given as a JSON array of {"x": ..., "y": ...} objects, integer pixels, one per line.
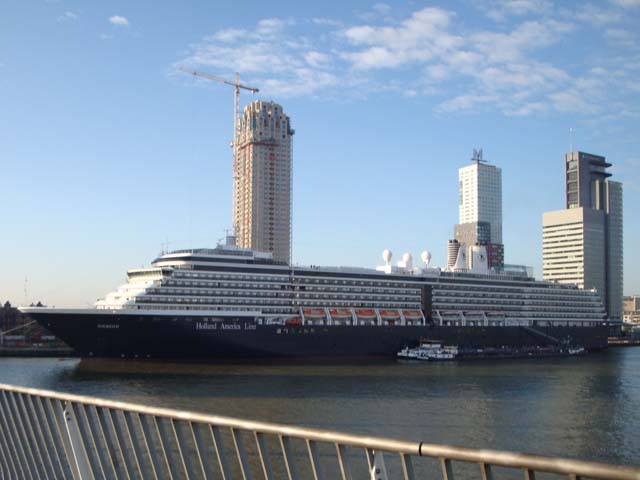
[
  {"x": 235, "y": 308},
  {"x": 491, "y": 315},
  {"x": 520, "y": 306},
  {"x": 266, "y": 294},
  {"x": 526, "y": 295},
  {"x": 514, "y": 300},
  {"x": 289, "y": 286},
  {"x": 321, "y": 303}
]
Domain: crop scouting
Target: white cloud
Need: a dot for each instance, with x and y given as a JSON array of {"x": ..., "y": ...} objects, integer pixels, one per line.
[
  {"x": 514, "y": 45},
  {"x": 228, "y": 35},
  {"x": 119, "y": 21},
  {"x": 621, "y": 37},
  {"x": 419, "y": 38},
  {"x": 503, "y": 9},
  {"x": 271, "y": 26},
  {"x": 627, "y": 3},
  {"x": 68, "y": 16},
  {"x": 468, "y": 103},
  {"x": 382, "y": 8},
  {"x": 572, "y": 101},
  {"x": 317, "y": 59},
  {"x": 526, "y": 109},
  {"x": 595, "y": 15},
  {"x": 326, "y": 21},
  {"x": 431, "y": 52}
]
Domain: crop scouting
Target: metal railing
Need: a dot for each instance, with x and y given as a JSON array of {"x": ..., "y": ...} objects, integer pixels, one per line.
[{"x": 51, "y": 435}]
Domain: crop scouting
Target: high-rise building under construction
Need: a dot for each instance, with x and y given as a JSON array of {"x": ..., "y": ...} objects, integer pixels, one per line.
[{"x": 262, "y": 180}]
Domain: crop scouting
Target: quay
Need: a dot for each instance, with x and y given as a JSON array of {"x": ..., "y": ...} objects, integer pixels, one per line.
[
  {"x": 51, "y": 435},
  {"x": 36, "y": 352},
  {"x": 624, "y": 341}
]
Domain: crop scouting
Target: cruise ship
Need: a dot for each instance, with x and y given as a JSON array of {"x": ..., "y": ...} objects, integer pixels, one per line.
[{"x": 228, "y": 303}]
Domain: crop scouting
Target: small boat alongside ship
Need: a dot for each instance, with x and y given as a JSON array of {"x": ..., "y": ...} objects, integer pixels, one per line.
[
  {"x": 434, "y": 350},
  {"x": 429, "y": 350}
]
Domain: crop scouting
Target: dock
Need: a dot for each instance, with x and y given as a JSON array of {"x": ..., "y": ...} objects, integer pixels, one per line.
[{"x": 623, "y": 341}]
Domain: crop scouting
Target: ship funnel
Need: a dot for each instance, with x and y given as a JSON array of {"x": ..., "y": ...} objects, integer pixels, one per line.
[
  {"x": 478, "y": 259},
  {"x": 461, "y": 260}
]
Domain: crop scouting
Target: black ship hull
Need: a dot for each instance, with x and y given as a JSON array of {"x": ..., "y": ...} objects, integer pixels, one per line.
[{"x": 133, "y": 335}]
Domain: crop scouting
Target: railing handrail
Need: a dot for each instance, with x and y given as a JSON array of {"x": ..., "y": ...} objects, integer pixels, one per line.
[{"x": 571, "y": 467}]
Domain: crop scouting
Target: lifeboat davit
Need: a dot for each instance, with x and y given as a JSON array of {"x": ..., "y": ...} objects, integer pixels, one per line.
[
  {"x": 365, "y": 313},
  {"x": 340, "y": 313}
]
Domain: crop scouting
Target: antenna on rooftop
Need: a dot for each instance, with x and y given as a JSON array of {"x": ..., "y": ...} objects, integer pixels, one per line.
[
  {"x": 164, "y": 247},
  {"x": 477, "y": 156},
  {"x": 570, "y": 140}
]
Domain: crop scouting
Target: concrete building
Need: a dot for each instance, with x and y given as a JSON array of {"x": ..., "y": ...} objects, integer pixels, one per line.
[
  {"x": 262, "y": 180},
  {"x": 632, "y": 310},
  {"x": 583, "y": 243},
  {"x": 480, "y": 208}
]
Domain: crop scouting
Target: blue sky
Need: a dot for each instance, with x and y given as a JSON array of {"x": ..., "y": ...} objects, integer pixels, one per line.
[{"x": 107, "y": 150}]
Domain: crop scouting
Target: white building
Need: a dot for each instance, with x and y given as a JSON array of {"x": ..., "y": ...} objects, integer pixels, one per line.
[
  {"x": 481, "y": 197},
  {"x": 262, "y": 181},
  {"x": 568, "y": 238}
]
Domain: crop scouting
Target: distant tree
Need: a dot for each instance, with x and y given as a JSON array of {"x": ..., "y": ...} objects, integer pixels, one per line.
[
  {"x": 39, "y": 304},
  {"x": 7, "y": 305}
]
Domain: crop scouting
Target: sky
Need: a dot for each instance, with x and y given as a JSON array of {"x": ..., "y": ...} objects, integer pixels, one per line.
[{"x": 108, "y": 150}]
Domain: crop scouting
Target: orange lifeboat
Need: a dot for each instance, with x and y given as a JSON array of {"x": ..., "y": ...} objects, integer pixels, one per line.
[
  {"x": 293, "y": 321},
  {"x": 340, "y": 313},
  {"x": 365, "y": 313},
  {"x": 412, "y": 314},
  {"x": 311, "y": 312},
  {"x": 389, "y": 314}
]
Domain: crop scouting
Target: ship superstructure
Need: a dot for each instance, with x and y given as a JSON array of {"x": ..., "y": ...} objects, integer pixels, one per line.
[{"x": 232, "y": 279}]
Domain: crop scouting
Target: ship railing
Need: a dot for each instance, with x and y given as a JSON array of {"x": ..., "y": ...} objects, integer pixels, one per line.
[{"x": 52, "y": 435}]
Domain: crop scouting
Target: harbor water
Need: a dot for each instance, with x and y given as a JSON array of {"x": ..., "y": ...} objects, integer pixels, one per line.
[{"x": 580, "y": 407}]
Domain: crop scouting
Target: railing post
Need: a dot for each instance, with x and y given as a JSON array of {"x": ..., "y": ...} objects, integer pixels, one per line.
[
  {"x": 447, "y": 469},
  {"x": 314, "y": 458},
  {"x": 263, "y": 453},
  {"x": 487, "y": 473},
  {"x": 343, "y": 461},
  {"x": 378, "y": 470},
  {"x": 79, "y": 454},
  {"x": 407, "y": 466}
]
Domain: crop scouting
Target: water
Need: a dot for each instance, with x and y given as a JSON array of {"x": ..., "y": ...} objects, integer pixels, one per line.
[{"x": 587, "y": 408}]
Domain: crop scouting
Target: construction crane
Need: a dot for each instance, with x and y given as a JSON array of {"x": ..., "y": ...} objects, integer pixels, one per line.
[
  {"x": 236, "y": 97},
  {"x": 236, "y": 120}
]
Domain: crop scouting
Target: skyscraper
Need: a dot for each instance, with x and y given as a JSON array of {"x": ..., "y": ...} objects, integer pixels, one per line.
[
  {"x": 262, "y": 180},
  {"x": 480, "y": 208},
  {"x": 583, "y": 243}
]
